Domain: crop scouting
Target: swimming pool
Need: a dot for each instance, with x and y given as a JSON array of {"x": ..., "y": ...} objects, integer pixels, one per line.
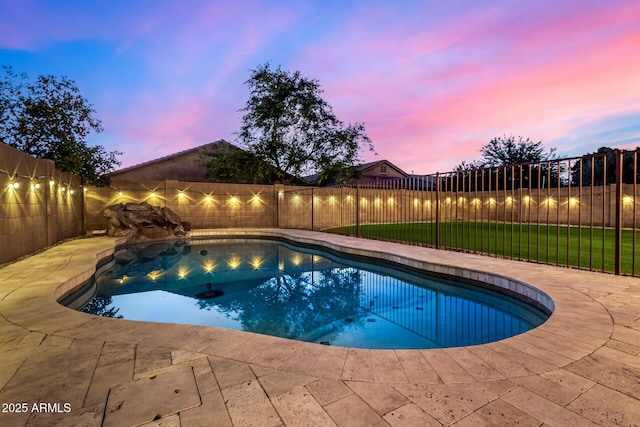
[{"x": 307, "y": 294}]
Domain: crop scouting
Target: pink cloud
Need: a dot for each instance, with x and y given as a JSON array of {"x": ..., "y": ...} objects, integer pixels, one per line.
[{"x": 544, "y": 79}]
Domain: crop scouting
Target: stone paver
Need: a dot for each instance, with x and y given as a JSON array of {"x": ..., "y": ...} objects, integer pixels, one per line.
[{"x": 63, "y": 367}]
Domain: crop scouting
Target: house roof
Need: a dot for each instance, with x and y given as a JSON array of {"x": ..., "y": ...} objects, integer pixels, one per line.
[
  {"x": 366, "y": 166},
  {"x": 313, "y": 179},
  {"x": 211, "y": 145}
]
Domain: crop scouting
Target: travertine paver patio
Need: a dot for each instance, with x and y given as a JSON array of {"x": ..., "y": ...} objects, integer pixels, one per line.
[{"x": 582, "y": 367}]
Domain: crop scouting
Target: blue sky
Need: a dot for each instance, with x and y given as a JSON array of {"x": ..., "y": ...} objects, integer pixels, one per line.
[{"x": 432, "y": 81}]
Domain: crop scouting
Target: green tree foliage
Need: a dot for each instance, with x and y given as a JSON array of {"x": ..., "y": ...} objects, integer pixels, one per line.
[
  {"x": 287, "y": 124},
  {"x": 50, "y": 119},
  {"x": 599, "y": 168},
  {"x": 231, "y": 165},
  {"x": 533, "y": 169},
  {"x": 510, "y": 150}
]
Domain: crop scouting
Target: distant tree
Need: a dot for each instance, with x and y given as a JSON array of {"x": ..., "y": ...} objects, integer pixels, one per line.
[
  {"x": 510, "y": 150},
  {"x": 101, "y": 305},
  {"x": 287, "y": 124},
  {"x": 50, "y": 119},
  {"x": 599, "y": 168},
  {"x": 529, "y": 156},
  {"x": 232, "y": 165}
]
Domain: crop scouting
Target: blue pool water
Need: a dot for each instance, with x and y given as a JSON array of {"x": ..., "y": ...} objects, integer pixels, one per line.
[{"x": 305, "y": 294}]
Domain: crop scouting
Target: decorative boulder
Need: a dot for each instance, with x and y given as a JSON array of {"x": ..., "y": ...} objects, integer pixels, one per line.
[{"x": 141, "y": 221}]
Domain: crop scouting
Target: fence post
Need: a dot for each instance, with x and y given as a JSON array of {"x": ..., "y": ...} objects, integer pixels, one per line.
[
  {"x": 437, "y": 210},
  {"x": 618, "y": 217},
  {"x": 357, "y": 210}
]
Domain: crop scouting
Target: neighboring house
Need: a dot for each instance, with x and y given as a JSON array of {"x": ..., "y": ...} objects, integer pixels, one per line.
[
  {"x": 378, "y": 171},
  {"x": 381, "y": 170},
  {"x": 186, "y": 165}
]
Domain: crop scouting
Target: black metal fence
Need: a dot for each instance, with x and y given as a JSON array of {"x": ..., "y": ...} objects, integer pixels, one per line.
[{"x": 579, "y": 212}]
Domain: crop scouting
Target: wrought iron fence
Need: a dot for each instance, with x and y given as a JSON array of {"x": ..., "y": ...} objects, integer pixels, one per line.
[{"x": 578, "y": 212}]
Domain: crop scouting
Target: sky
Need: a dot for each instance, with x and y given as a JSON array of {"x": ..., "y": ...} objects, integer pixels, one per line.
[{"x": 432, "y": 81}]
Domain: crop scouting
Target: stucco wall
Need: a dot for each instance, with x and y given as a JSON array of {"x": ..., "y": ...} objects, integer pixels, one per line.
[{"x": 39, "y": 205}]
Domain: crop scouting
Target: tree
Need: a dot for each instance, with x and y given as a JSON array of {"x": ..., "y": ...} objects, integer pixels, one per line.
[
  {"x": 287, "y": 124},
  {"x": 232, "y": 165},
  {"x": 595, "y": 164},
  {"x": 50, "y": 119},
  {"x": 509, "y": 150},
  {"x": 530, "y": 159}
]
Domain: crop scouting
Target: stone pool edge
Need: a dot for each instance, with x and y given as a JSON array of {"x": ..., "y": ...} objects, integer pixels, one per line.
[{"x": 555, "y": 343}]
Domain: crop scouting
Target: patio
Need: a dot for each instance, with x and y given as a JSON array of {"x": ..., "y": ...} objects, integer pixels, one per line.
[{"x": 582, "y": 367}]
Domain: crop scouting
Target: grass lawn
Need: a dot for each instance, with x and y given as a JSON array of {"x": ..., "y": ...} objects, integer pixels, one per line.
[{"x": 558, "y": 245}]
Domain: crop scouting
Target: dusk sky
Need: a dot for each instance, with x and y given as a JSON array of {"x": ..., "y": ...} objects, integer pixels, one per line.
[{"x": 432, "y": 81}]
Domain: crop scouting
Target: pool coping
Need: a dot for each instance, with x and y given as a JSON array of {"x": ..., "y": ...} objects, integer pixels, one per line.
[{"x": 581, "y": 325}]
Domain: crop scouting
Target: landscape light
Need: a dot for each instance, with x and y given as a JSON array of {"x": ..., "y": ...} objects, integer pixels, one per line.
[
  {"x": 256, "y": 262},
  {"x": 183, "y": 272},
  {"x": 234, "y": 263}
]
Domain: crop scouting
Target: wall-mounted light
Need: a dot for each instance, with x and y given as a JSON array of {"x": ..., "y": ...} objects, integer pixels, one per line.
[
  {"x": 627, "y": 200},
  {"x": 71, "y": 191},
  {"x": 573, "y": 201},
  {"x": 183, "y": 272},
  {"x": 181, "y": 194},
  {"x": 14, "y": 185},
  {"x": 209, "y": 266},
  {"x": 256, "y": 262},
  {"x": 154, "y": 275}
]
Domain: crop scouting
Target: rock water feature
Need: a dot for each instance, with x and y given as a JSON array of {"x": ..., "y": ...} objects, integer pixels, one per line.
[{"x": 142, "y": 221}]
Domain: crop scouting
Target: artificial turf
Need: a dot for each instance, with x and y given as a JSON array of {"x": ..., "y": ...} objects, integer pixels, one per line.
[{"x": 587, "y": 248}]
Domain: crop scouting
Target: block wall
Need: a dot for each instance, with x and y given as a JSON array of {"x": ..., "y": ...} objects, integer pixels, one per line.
[
  {"x": 39, "y": 205},
  {"x": 204, "y": 205}
]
